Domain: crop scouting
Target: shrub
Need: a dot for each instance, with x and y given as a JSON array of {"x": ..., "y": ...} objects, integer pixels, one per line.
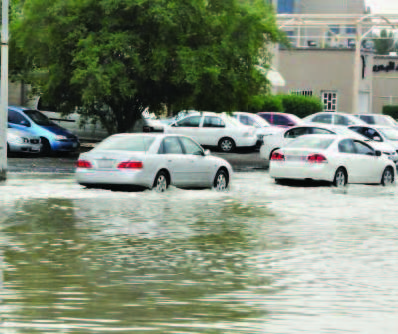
[
  {"x": 265, "y": 103},
  {"x": 301, "y": 106},
  {"x": 391, "y": 110}
]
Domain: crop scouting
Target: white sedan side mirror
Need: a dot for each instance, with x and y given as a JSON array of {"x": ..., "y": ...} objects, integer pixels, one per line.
[{"x": 207, "y": 152}]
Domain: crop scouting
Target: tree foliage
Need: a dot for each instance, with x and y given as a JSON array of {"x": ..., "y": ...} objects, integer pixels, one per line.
[
  {"x": 114, "y": 58},
  {"x": 385, "y": 45}
]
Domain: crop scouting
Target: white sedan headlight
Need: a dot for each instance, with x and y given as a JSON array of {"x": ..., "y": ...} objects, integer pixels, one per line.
[{"x": 16, "y": 139}]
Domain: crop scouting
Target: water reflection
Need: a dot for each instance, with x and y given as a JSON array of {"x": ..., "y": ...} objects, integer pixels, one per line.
[{"x": 76, "y": 266}]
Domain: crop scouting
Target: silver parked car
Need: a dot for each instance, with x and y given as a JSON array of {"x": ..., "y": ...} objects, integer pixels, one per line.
[{"x": 19, "y": 141}]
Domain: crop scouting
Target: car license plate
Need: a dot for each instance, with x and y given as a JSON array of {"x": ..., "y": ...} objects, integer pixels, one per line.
[
  {"x": 105, "y": 163},
  {"x": 294, "y": 158}
]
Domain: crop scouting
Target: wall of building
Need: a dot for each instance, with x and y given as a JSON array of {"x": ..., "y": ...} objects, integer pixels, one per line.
[
  {"x": 331, "y": 7},
  {"x": 385, "y": 82},
  {"x": 319, "y": 71}
]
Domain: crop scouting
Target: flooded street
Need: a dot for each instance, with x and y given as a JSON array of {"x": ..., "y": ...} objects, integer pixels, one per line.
[{"x": 261, "y": 258}]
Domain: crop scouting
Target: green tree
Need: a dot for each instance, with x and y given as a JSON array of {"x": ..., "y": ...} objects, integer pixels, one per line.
[
  {"x": 114, "y": 58},
  {"x": 384, "y": 46}
]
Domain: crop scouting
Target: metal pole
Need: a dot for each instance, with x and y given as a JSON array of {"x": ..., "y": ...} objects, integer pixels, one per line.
[
  {"x": 4, "y": 92},
  {"x": 357, "y": 71},
  {"x": 275, "y": 56}
]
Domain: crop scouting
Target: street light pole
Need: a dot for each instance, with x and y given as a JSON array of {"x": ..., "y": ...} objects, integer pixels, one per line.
[
  {"x": 357, "y": 71},
  {"x": 4, "y": 92},
  {"x": 275, "y": 54}
]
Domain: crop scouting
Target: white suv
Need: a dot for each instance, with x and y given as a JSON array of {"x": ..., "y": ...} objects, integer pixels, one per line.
[{"x": 212, "y": 129}]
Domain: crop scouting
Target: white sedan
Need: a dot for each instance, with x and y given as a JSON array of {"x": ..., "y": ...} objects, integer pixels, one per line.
[
  {"x": 22, "y": 141},
  {"x": 216, "y": 130},
  {"x": 333, "y": 118},
  {"x": 283, "y": 138},
  {"x": 152, "y": 161},
  {"x": 336, "y": 159}
]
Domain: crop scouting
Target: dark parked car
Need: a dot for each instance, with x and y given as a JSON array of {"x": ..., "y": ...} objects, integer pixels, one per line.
[{"x": 281, "y": 119}]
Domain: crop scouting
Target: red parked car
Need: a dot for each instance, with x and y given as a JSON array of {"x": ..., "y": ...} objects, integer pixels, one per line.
[{"x": 281, "y": 119}]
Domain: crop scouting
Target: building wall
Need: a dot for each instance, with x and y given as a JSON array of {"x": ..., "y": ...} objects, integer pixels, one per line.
[
  {"x": 332, "y": 7},
  {"x": 385, "y": 82},
  {"x": 319, "y": 70}
]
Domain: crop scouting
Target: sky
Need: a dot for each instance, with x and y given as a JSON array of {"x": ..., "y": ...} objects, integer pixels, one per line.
[{"x": 383, "y": 6}]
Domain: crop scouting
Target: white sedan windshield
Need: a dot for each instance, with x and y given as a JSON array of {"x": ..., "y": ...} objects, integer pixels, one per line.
[
  {"x": 311, "y": 142},
  {"x": 127, "y": 143}
]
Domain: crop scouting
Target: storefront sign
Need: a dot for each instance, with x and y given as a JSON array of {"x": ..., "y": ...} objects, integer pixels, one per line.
[{"x": 385, "y": 68}]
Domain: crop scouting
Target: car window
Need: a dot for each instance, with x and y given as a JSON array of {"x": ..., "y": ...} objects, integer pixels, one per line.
[
  {"x": 246, "y": 120},
  {"x": 347, "y": 146},
  {"x": 213, "y": 122},
  {"x": 362, "y": 148},
  {"x": 342, "y": 120},
  {"x": 281, "y": 120},
  {"x": 171, "y": 145},
  {"x": 15, "y": 117},
  {"x": 191, "y": 147},
  {"x": 367, "y": 118},
  {"x": 371, "y": 133},
  {"x": 325, "y": 118},
  {"x": 38, "y": 117},
  {"x": 192, "y": 122},
  {"x": 297, "y": 132},
  {"x": 126, "y": 143},
  {"x": 267, "y": 117}
]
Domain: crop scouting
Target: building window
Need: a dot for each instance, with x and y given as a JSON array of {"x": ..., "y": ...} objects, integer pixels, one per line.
[
  {"x": 351, "y": 30},
  {"x": 329, "y": 100},
  {"x": 335, "y": 29},
  {"x": 301, "y": 92},
  {"x": 286, "y": 6}
]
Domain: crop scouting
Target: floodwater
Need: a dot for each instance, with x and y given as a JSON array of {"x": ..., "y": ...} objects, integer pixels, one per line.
[{"x": 261, "y": 258}]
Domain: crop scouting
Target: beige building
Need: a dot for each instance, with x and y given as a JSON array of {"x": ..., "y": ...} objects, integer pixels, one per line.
[
  {"x": 329, "y": 75},
  {"x": 385, "y": 82}
]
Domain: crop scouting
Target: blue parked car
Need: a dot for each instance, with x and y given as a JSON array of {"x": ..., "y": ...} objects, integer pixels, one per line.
[{"x": 53, "y": 137}]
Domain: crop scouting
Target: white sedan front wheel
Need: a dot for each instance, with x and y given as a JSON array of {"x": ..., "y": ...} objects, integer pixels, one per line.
[
  {"x": 388, "y": 177},
  {"x": 221, "y": 180}
]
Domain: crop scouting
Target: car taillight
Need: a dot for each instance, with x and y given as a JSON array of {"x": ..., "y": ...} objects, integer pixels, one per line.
[
  {"x": 316, "y": 158},
  {"x": 277, "y": 156},
  {"x": 83, "y": 164},
  {"x": 131, "y": 165}
]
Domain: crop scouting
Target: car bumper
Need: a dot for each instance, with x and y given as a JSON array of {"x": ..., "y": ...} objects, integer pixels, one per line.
[
  {"x": 65, "y": 146},
  {"x": 301, "y": 171},
  {"x": 111, "y": 177},
  {"x": 28, "y": 148}
]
